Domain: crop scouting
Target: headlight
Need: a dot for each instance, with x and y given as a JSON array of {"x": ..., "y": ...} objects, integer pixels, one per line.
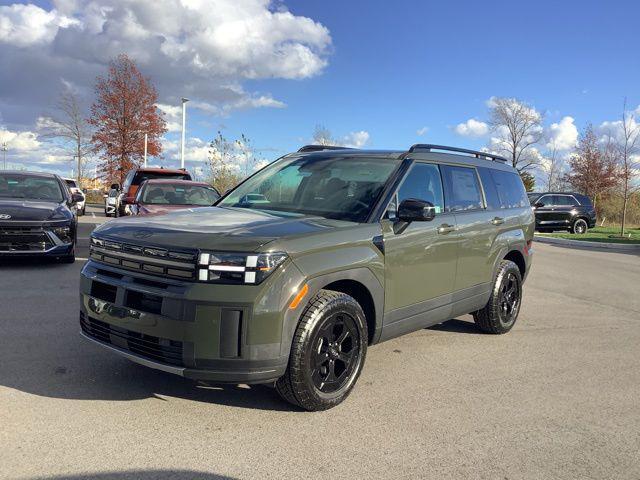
[
  {"x": 238, "y": 268},
  {"x": 63, "y": 233}
]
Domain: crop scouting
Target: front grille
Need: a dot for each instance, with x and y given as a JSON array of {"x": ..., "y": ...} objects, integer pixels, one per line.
[
  {"x": 24, "y": 239},
  {"x": 153, "y": 348},
  {"x": 150, "y": 260}
]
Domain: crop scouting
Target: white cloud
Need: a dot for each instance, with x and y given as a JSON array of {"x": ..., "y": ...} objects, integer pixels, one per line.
[
  {"x": 202, "y": 49},
  {"x": 421, "y": 131},
  {"x": 27, "y": 25},
  {"x": 563, "y": 135},
  {"x": 19, "y": 141},
  {"x": 356, "y": 139},
  {"x": 472, "y": 128}
]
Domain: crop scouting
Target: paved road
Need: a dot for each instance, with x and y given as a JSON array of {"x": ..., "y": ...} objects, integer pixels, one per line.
[{"x": 556, "y": 398}]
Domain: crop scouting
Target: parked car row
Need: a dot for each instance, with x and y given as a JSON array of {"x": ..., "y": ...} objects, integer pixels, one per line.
[{"x": 148, "y": 191}]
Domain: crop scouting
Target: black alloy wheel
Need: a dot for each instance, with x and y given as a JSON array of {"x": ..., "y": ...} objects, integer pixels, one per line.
[{"x": 336, "y": 353}]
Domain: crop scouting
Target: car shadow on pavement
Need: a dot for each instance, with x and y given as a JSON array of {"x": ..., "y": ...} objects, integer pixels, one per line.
[
  {"x": 142, "y": 475},
  {"x": 457, "y": 326},
  {"x": 46, "y": 356}
]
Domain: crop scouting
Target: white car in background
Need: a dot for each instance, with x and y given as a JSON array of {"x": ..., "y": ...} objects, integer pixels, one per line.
[
  {"x": 111, "y": 203},
  {"x": 74, "y": 188}
]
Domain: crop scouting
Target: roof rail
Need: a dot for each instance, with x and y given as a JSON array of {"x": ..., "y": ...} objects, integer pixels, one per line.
[
  {"x": 474, "y": 153},
  {"x": 319, "y": 148}
]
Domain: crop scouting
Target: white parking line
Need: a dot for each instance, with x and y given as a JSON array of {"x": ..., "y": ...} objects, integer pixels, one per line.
[
  {"x": 82, "y": 259},
  {"x": 93, "y": 214}
]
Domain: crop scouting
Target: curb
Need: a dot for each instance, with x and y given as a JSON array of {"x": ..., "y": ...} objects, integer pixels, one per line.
[{"x": 586, "y": 244}]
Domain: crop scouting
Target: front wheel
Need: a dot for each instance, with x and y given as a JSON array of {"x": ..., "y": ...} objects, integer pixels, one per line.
[
  {"x": 579, "y": 227},
  {"x": 327, "y": 354},
  {"x": 501, "y": 311}
]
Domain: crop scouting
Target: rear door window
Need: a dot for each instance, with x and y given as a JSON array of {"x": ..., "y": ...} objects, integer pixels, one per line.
[
  {"x": 564, "y": 200},
  {"x": 463, "y": 189},
  {"x": 510, "y": 189}
]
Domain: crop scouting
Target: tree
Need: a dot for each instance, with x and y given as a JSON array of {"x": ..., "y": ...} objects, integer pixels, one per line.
[
  {"x": 322, "y": 136},
  {"x": 551, "y": 166},
  {"x": 529, "y": 181},
  {"x": 518, "y": 128},
  {"x": 626, "y": 147},
  {"x": 592, "y": 167},
  {"x": 223, "y": 156},
  {"x": 71, "y": 127},
  {"x": 124, "y": 110}
]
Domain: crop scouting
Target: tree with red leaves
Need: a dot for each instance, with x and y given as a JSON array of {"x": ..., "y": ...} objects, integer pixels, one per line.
[
  {"x": 593, "y": 170},
  {"x": 124, "y": 110}
]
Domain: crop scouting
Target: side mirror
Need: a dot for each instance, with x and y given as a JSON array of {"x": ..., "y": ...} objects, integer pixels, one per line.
[
  {"x": 538, "y": 204},
  {"x": 414, "y": 210},
  {"x": 115, "y": 186},
  {"x": 76, "y": 198}
]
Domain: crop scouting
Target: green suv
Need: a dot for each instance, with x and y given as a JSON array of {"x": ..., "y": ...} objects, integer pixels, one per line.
[{"x": 293, "y": 274}]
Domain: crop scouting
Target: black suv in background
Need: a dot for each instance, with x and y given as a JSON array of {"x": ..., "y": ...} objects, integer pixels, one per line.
[{"x": 563, "y": 211}]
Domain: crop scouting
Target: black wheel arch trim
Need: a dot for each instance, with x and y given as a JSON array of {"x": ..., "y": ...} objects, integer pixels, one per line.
[{"x": 361, "y": 275}]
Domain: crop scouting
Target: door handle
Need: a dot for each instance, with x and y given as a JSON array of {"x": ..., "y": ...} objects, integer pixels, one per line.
[
  {"x": 497, "y": 221},
  {"x": 446, "y": 228}
]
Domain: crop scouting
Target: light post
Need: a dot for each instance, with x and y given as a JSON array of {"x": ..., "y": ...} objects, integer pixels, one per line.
[
  {"x": 145, "y": 150},
  {"x": 4, "y": 151},
  {"x": 184, "y": 120}
]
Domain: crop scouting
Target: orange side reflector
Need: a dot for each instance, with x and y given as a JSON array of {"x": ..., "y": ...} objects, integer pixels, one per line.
[{"x": 303, "y": 291}]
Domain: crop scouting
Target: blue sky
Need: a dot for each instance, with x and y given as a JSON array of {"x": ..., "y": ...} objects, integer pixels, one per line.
[
  {"x": 400, "y": 66},
  {"x": 384, "y": 69}
]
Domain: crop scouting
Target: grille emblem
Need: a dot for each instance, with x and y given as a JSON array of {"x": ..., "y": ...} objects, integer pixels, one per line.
[{"x": 4, "y": 216}]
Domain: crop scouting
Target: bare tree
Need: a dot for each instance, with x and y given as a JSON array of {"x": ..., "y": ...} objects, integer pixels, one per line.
[
  {"x": 322, "y": 136},
  {"x": 69, "y": 125},
  {"x": 518, "y": 128},
  {"x": 227, "y": 159},
  {"x": 627, "y": 150},
  {"x": 551, "y": 167}
]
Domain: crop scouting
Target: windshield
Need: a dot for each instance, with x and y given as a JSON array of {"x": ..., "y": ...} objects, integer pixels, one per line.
[
  {"x": 178, "y": 194},
  {"x": 71, "y": 183},
  {"x": 339, "y": 188},
  {"x": 31, "y": 187}
]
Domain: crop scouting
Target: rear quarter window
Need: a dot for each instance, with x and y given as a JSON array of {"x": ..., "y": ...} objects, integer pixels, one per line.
[
  {"x": 490, "y": 190},
  {"x": 510, "y": 189}
]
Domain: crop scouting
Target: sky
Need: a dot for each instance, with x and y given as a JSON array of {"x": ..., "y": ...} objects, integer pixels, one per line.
[{"x": 377, "y": 74}]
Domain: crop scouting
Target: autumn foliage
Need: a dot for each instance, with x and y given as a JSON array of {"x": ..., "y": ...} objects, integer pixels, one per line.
[
  {"x": 124, "y": 110},
  {"x": 593, "y": 169}
]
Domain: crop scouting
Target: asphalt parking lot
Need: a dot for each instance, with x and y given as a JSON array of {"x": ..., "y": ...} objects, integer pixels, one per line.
[{"x": 558, "y": 397}]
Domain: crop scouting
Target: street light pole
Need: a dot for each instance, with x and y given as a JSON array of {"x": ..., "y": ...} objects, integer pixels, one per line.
[
  {"x": 145, "y": 150},
  {"x": 4, "y": 151},
  {"x": 184, "y": 120}
]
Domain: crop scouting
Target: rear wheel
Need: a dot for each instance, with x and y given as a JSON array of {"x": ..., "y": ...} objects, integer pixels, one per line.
[
  {"x": 501, "y": 311},
  {"x": 327, "y": 354},
  {"x": 579, "y": 227}
]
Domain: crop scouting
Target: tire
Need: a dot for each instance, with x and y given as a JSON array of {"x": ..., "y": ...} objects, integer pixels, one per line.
[
  {"x": 500, "y": 314},
  {"x": 579, "y": 227},
  {"x": 81, "y": 212},
  {"x": 330, "y": 342},
  {"x": 106, "y": 214}
]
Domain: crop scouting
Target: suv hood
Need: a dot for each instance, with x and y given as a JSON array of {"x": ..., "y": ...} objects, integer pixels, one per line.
[
  {"x": 213, "y": 228},
  {"x": 24, "y": 210}
]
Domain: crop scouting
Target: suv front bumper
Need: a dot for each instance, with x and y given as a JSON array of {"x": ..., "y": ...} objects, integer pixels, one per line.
[{"x": 219, "y": 333}]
